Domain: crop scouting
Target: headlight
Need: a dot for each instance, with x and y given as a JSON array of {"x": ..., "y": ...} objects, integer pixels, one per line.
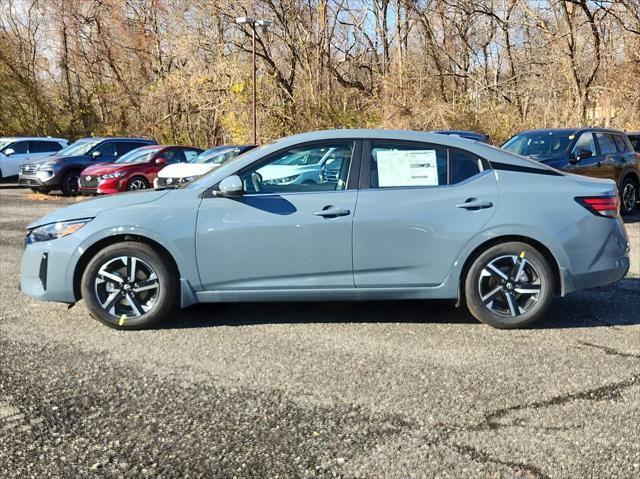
[
  {"x": 48, "y": 166},
  {"x": 281, "y": 181},
  {"x": 117, "y": 174},
  {"x": 187, "y": 179},
  {"x": 54, "y": 230}
]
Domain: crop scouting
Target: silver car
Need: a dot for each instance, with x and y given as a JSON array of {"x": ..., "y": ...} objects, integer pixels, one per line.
[{"x": 406, "y": 215}]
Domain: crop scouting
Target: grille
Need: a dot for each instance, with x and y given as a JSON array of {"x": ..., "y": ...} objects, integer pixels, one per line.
[
  {"x": 28, "y": 169},
  {"x": 88, "y": 181}
]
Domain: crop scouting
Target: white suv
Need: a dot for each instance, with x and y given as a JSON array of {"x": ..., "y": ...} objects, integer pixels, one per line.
[{"x": 14, "y": 151}]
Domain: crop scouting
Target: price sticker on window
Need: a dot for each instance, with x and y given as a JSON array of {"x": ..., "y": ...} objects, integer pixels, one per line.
[{"x": 407, "y": 168}]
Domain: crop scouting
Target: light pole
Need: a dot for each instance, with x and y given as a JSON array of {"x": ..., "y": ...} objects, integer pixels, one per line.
[{"x": 260, "y": 23}]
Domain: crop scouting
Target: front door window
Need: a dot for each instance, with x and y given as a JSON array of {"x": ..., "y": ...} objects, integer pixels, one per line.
[{"x": 321, "y": 167}]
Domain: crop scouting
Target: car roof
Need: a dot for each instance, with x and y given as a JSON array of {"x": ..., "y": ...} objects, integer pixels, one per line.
[
  {"x": 120, "y": 138},
  {"x": 483, "y": 150},
  {"x": 44, "y": 138},
  {"x": 572, "y": 130}
]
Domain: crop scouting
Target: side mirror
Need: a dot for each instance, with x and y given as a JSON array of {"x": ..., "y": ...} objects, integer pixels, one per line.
[
  {"x": 96, "y": 154},
  {"x": 581, "y": 155},
  {"x": 231, "y": 186},
  {"x": 160, "y": 161},
  {"x": 9, "y": 152}
]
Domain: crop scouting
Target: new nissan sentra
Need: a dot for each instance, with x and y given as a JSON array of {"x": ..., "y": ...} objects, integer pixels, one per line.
[{"x": 407, "y": 215}]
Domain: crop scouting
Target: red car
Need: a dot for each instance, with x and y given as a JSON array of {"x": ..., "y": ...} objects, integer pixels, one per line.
[{"x": 134, "y": 171}]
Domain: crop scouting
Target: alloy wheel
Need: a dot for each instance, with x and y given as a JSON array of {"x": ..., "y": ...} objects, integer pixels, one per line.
[
  {"x": 127, "y": 286},
  {"x": 137, "y": 184},
  {"x": 509, "y": 285},
  {"x": 629, "y": 196}
]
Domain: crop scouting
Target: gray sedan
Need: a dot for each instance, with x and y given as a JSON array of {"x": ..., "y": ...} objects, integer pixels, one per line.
[{"x": 405, "y": 215}]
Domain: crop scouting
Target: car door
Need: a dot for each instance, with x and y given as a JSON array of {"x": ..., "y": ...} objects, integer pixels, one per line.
[
  {"x": 584, "y": 158},
  {"x": 605, "y": 166},
  {"x": 417, "y": 208},
  {"x": 281, "y": 233}
]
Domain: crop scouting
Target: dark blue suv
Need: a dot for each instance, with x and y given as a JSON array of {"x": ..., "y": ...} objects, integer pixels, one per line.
[{"x": 596, "y": 152}]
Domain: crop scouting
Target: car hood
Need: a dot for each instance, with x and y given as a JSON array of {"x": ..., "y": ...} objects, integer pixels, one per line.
[
  {"x": 183, "y": 170},
  {"x": 47, "y": 159},
  {"x": 104, "y": 168},
  {"x": 92, "y": 208},
  {"x": 554, "y": 161}
]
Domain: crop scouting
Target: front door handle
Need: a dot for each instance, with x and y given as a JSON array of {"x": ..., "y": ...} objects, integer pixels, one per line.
[
  {"x": 331, "y": 212},
  {"x": 474, "y": 204}
]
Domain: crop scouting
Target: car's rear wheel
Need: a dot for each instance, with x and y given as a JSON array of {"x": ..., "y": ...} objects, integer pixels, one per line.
[
  {"x": 510, "y": 285},
  {"x": 628, "y": 195},
  {"x": 130, "y": 286},
  {"x": 70, "y": 183},
  {"x": 138, "y": 183}
]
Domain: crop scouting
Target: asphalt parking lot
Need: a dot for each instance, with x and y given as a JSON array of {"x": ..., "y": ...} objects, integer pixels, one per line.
[{"x": 390, "y": 389}]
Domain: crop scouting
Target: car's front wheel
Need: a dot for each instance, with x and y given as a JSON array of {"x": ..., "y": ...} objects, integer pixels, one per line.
[
  {"x": 69, "y": 185},
  {"x": 137, "y": 183},
  {"x": 129, "y": 286},
  {"x": 509, "y": 285}
]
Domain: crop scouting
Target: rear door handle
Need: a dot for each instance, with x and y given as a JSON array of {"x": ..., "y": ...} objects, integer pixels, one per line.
[
  {"x": 474, "y": 204},
  {"x": 332, "y": 212}
]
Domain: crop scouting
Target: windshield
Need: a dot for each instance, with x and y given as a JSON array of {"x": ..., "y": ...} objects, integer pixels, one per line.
[
  {"x": 80, "y": 147},
  {"x": 540, "y": 144},
  {"x": 217, "y": 155},
  {"x": 139, "y": 155},
  {"x": 204, "y": 178}
]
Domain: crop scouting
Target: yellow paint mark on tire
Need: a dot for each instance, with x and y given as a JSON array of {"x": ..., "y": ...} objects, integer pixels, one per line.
[{"x": 123, "y": 318}]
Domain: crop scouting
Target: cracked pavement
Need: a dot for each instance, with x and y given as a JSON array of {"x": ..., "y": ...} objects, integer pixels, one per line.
[{"x": 379, "y": 389}]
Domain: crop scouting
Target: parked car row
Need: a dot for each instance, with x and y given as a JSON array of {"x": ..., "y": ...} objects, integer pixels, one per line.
[
  {"x": 113, "y": 165},
  {"x": 105, "y": 165}
]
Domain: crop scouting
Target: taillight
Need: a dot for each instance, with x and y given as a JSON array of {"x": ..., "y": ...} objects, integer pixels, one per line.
[{"x": 608, "y": 206}]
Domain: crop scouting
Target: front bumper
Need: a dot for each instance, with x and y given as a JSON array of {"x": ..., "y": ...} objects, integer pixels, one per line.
[
  {"x": 94, "y": 185},
  {"x": 46, "y": 272},
  {"x": 38, "y": 181}
]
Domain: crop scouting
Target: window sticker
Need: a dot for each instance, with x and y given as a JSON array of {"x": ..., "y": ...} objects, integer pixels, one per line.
[{"x": 407, "y": 168}]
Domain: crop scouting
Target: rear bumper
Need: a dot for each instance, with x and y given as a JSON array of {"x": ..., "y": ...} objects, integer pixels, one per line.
[{"x": 601, "y": 260}]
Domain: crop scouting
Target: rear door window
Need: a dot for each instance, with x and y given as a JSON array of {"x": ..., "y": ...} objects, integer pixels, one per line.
[
  {"x": 607, "y": 144},
  {"x": 402, "y": 165},
  {"x": 44, "y": 146},
  {"x": 620, "y": 143}
]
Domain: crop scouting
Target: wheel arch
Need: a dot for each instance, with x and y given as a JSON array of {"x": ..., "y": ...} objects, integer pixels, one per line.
[
  {"x": 544, "y": 250},
  {"x": 92, "y": 250},
  {"x": 630, "y": 173}
]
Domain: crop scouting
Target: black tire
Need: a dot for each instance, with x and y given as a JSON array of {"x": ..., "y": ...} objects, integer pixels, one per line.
[
  {"x": 504, "y": 297},
  {"x": 137, "y": 183},
  {"x": 44, "y": 191},
  {"x": 122, "y": 315},
  {"x": 628, "y": 195},
  {"x": 69, "y": 185}
]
